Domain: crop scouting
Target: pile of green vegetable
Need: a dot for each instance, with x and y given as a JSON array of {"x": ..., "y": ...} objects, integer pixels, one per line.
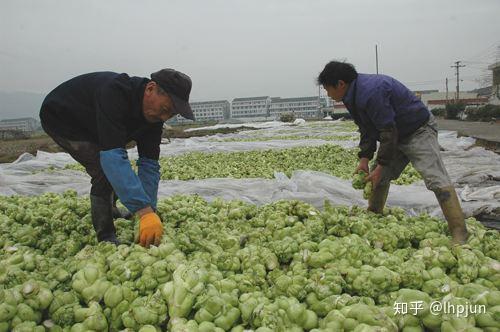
[
  {"x": 328, "y": 158},
  {"x": 232, "y": 266},
  {"x": 359, "y": 182}
]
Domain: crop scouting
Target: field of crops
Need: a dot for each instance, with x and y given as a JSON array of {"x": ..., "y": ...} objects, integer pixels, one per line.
[
  {"x": 232, "y": 266},
  {"x": 330, "y": 159}
]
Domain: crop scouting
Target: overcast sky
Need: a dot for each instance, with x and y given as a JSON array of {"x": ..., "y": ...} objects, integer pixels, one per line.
[{"x": 243, "y": 48}]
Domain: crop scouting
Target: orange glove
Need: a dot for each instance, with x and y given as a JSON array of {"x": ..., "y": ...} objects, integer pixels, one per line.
[{"x": 150, "y": 229}]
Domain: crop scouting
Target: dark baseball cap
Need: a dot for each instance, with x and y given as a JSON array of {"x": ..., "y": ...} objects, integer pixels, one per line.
[{"x": 178, "y": 87}]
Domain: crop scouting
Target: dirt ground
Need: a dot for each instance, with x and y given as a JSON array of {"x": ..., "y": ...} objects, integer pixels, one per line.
[
  {"x": 11, "y": 149},
  {"x": 487, "y": 134}
]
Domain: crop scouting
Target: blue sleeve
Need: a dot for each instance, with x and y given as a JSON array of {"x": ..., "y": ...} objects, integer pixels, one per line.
[
  {"x": 379, "y": 108},
  {"x": 149, "y": 174},
  {"x": 124, "y": 181}
]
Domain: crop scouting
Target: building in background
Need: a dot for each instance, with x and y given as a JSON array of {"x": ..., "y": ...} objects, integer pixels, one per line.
[
  {"x": 252, "y": 107},
  {"x": 211, "y": 110},
  {"x": 25, "y": 125},
  {"x": 440, "y": 99},
  {"x": 301, "y": 107},
  {"x": 495, "y": 88},
  {"x": 424, "y": 92},
  {"x": 339, "y": 107},
  {"x": 216, "y": 110}
]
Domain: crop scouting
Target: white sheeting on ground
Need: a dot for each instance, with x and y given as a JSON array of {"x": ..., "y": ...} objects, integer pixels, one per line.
[
  {"x": 205, "y": 144},
  {"x": 474, "y": 170},
  {"x": 257, "y": 125}
]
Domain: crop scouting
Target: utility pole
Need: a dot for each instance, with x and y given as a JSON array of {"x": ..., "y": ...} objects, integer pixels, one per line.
[
  {"x": 376, "y": 57},
  {"x": 447, "y": 91},
  {"x": 457, "y": 66}
]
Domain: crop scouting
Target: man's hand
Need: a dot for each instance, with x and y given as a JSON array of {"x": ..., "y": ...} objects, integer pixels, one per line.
[
  {"x": 363, "y": 166},
  {"x": 150, "y": 229},
  {"x": 375, "y": 175}
]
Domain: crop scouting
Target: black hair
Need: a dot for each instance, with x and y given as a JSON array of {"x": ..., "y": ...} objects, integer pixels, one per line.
[{"x": 336, "y": 71}]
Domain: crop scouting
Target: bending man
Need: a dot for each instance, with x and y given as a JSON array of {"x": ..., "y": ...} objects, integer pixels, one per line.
[
  {"x": 388, "y": 112},
  {"x": 94, "y": 116}
]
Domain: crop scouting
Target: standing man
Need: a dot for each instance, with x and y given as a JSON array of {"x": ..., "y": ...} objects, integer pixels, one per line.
[
  {"x": 94, "y": 116},
  {"x": 388, "y": 112}
]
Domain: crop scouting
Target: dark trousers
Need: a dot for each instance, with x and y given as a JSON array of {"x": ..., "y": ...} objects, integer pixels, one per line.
[{"x": 87, "y": 154}]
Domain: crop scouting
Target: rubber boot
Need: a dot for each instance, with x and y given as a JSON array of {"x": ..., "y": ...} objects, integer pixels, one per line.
[
  {"x": 452, "y": 211},
  {"x": 119, "y": 212},
  {"x": 377, "y": 200},
  {"x": 102, "y": 218}
]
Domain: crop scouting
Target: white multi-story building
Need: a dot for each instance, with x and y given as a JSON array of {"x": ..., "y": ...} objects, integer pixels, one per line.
[
  {"x": 206, "y": 111},
  {"x": 250, "y": 107},
  {"x": 211, "y": 110},
  {"x": 22, "y": 124},
  {"x": 301, "y": 107}
]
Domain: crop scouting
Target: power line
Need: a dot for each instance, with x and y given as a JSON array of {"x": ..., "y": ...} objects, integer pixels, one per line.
[
  {"x": 477, "y": 67},
  {"x": 490, "y": 50},
  {"x": 477, "y": 62},
  {"x": 428, "y": 81},
  {"x": 439, "y": 80},
  {"x": 419, "y": 84}
]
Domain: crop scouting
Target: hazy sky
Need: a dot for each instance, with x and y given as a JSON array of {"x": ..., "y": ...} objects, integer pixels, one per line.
[{"x": 242, "y": 48}]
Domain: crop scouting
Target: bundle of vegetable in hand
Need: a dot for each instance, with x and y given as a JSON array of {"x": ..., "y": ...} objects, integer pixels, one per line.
[{"x": 359, "y": 182}]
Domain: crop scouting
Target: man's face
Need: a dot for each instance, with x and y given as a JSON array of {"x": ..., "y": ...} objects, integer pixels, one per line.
[
  {"x": 336, "y": 92},
  {"x": 156, "y": 106}
]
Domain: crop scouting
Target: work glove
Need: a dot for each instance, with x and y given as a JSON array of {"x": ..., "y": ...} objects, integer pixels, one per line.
[{"x": 150, "y": 229}]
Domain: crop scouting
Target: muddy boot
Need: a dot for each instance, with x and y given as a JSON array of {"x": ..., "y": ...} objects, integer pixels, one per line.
[
  {"x": 102, "y": 219},
  {"x": 452, "y": 211},
  {"x": 378, "y": 197},
  {"x": 120, "y": 212}
]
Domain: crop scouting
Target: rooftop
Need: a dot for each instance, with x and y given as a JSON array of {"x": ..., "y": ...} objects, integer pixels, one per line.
[
  {"x": 494, "y": 66},
  {"x": 290, "y": 100},
  {"x": 250, "y": 98},
  {"x": 208, "y": 102}
]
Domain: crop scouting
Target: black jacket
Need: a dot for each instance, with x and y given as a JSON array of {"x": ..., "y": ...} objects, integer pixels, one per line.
[{"x": 104, "y": 108}]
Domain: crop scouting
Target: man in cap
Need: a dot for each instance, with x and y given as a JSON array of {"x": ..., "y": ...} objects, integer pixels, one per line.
[
  {"x": 94, "y": 116},
  {"x": 387, "y": 111}
]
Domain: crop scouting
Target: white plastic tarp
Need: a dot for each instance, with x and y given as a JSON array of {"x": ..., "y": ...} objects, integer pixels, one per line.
[
  {"x": 257, "y": 125},
  {"x": 474, "y": 170}
]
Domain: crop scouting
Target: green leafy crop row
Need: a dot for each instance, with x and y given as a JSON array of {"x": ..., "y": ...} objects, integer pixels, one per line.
[{"x": 328, "y": 158}]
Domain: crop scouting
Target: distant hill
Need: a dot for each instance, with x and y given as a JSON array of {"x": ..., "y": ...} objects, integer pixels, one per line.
[{"x": 20, "y": 104}]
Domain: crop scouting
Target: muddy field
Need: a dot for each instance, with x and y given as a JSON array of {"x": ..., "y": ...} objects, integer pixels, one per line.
[{"x": 11, "y": 149}]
